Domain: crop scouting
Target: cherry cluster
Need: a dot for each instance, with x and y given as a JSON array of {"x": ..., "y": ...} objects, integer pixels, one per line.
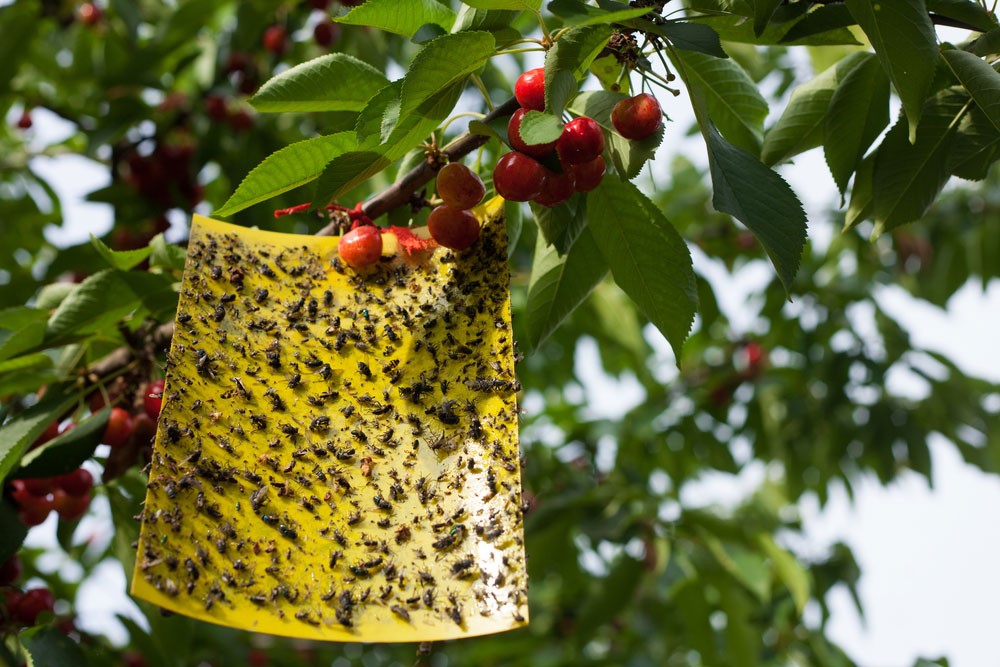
[
  {"x": 68, "y": 495},
  {"x": 452, "y": 224},
  {"x": 520, "y": 176}
]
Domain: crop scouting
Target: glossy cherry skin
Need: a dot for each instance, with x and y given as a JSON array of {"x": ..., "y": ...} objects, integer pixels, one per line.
[
  {"x": 452, "y": 227},
  {"x": 581, "y": 141},
  {"x": 361, "y": 247},
  {"x": 118, "y": 429},
  {"x": 588, "y": 175},
  {"x": 530, "y": 89},
  {"x": 152, "y": 401},
  {"x": 517, "y": 143},
  {"x": 558, "y": 188},
  {"x": 637, "y": 117},
  {"x": 459, "y": 187},
  {"x": 518, "y": 177}
]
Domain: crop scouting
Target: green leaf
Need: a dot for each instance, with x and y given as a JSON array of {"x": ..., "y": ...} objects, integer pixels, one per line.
[
  {"x": 906, "y": 45},
  {"x": 986, "y": 44},
  {"x": 403, "y": 17},
  {"x": 483, "y": 19},
  {"x": 568, "y": 62},
  {"x": 36, "y": 361},
  {"x": 823, "y": 19},
  {"x": 981, "y": 80},
  {"x": 691, "y": 36},
  {"x": 560, "y": 283},
  {"x": 47, "y": 646},
  {"x": 909, "y": 176},
  {"x": 788, "y": 570},
  {"x": 560, "y": 225},
  {"x": 860, "y": 207},
  {"x": 759, "y": 198},
  {"x": 67, "y": 451},
  {"x": 975, "y": 146},
  {"x": 504, "y": 4},
  {"x": 24, "y": 429},
  {"x": 12, "y": 531},
  {"x": 627, "y": 156},
  {"x": 540, "y": 128},
  {"x": 440, "y": 64},
  {"x": 102, "y": 299},
  {"x": 335, "y": 82},
  {"x": 21, "y": 329},
  {"x": 166, "y": 254},
  {"x": 123, "y": 260},
  {"x": 967, "y": 11},
  {"x": 575, "y": 13},
  {"x": 734, "y": 103},
  {"x": 762, "y": 12},
  {"x": 50, "y": 296},
  {"x": 800, "y": 126},
  {"x": 287, "y": 169},
  {"x": 647, "y": 256},
  {"x": 350, "y": 169},
  {"x": 746, "y": 566},
  {"x": 858, "y": 112}
]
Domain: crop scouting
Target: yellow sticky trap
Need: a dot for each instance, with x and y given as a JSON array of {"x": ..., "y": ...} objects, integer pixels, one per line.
[{"x": 337, "y": 452}]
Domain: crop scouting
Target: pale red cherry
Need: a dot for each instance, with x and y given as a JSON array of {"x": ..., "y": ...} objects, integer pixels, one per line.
[
  {"x": 453, "y": 228},
  {"x": 361, "y": 247},
  {"x": 459, "y": 186}
]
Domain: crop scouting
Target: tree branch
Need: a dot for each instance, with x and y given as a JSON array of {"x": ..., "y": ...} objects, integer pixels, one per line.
[{"x": 399, "y": 193}]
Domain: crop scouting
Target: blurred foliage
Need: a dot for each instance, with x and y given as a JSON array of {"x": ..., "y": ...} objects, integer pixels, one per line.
[{"x": 623, "y": 571}]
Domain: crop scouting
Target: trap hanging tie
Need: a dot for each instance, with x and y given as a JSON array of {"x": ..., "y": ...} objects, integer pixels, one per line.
[{"x": 337, "y": 453}]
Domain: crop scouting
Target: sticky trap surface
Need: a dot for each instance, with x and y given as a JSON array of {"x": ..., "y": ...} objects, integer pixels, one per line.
[{"x": 337, "y": 452}]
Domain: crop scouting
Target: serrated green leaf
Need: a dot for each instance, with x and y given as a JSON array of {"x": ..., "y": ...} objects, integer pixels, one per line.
[
  {"x": 981, "y": 80},
  {"x": 52, "y": 295},
  {"x": 25, "y": 337},
  {"x": 560, "y": 225},
  {"x": 762, "y": 12},
  {"x": 860, "y": 206},
  {"x": 403, "y": 17},
  {"x": 350, "y": 169},
  {"x": 539, "y": 128},
  {"x": 381, "y": 113},
  {"x": 575, "y": 13},
  {"x": 16, "y": 317},
  {"x": 823, "y": 19},
  {"x": 800, "y": 126},
  {"x": 493, "y": 20},
  {"x": 986, "y": 44},
  {"x": 560, "y": 283},
  {"x": 975, "y": 147},
  {"x": 67, "y": 451},
  {"x": 966, "y": 11},
  {"x": 647, "y": 256},
  {"x": 909, "y": 176},
  {"x": 734, "y": 103},
  {"x": 568, "y": 62},
  {"x": 123, "y": 260},
  {"x": 166, "y": 254},
  {"x": 36, "y": 361},
  {"x": 335, "y": 82},
  {"x": 24, "y": 429},
  {"x": 906, "y": 45},
  {"x": 759, "y": 198},
  {"x": 440, "y": 64},
  {"x": 858, "y": 112},
  {"x": 504, "y": 4},
  {"x": 287, "y": 169}
]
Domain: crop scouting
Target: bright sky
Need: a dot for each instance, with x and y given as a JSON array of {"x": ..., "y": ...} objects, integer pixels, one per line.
[{"x": 928, "y": 555}]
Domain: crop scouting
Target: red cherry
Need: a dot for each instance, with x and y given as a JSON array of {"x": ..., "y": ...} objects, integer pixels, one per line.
[
  {"x": 518, "y": 177},
  {"x": 558, "y": 188},
  {"x": 89, "y": 13},
  {"x": 24, "y": 122},
  {"x": 588, "y": 175},
  {"x": 637, "y": 117},
  {"x": 36, "y": 512},
  {"x": 459, "y": 186},
  {"x": 240, "y": 120},
  {"x": 453, "y": 228},
  {"x": 530, "y": 89},
  {"x": 580, "y": 141},
  {"x": 326, "y": 33},
  {"x": 10, "y": 570},
  {"x": 239, "y": 61},
  {"x": 51, "y": 431},
  {"x": 70, "y": 507},
  {"x": 20, "y": 495},
  {"x": 216, "y": 108},
  {"x": 275, "y": 39},
  {"x": 118, "y": 429},
  {"x": 76, "y": 483},
  {"x": 31, "y": 604},
  {"x": 38, "y": 486},
  {"x": 361, "y": 247},
  {"x": 153, "y": 399},
  {"x": 517, "y": 143}
]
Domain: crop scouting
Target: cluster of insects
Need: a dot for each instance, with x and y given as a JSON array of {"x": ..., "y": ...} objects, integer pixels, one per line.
[{"x": 338, "y": 449}]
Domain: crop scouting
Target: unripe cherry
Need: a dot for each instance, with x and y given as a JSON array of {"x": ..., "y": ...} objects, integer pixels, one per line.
[
  {"x": 518, "y": 177},
  {"x": 530, "y": 89},
  {"x": 459, "y": 186},
  {"x": 637, "y": 117},
  {"x": 452, "y": 227},
  {"x": 581, "y": 141},
  {"x": 361, "y": 247},
  {"x": 518, "y": 144}
]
